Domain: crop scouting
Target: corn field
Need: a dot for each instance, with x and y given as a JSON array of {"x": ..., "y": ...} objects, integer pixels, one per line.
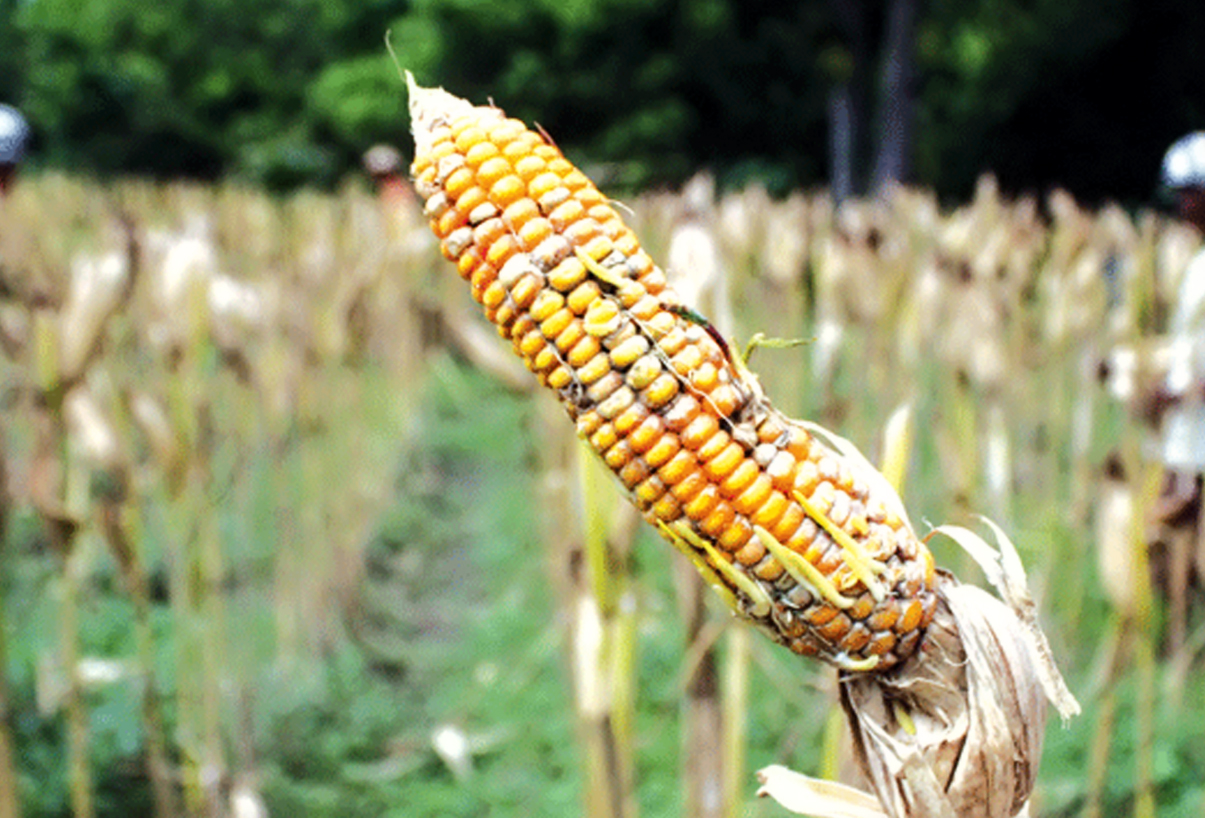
[{"x": 287, "y": 532}]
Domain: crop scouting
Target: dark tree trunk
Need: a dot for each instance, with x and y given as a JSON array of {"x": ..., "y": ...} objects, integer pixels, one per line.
[{"x": 896, "y": 104}]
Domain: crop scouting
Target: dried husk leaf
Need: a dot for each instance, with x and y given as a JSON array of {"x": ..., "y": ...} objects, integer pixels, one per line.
[{"x": 956, "y": 730}]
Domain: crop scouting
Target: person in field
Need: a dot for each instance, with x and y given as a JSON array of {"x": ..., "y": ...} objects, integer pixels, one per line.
[
  {"x": 1181, "y": 395},
  {"x": 14, "y": 139}
]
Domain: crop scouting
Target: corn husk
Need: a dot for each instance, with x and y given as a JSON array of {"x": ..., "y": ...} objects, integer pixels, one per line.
[{"x": 957, "y": 729}]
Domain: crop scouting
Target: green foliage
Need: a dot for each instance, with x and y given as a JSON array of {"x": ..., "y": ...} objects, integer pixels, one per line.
[{"x": 291, "y": 92}]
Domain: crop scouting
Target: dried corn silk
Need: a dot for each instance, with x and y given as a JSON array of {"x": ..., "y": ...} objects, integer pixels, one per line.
[{"x": 795, "y": 531}]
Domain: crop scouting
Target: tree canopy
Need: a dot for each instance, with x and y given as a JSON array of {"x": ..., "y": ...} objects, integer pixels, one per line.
[{"x": 1076, "y": 93}]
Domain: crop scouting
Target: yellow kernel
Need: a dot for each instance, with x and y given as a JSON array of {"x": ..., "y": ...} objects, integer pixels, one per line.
[
  {"x": 663, "y": 450},
  {"x": 573, "y": 336},
  {"x": 603, "y": 438},
  {"x": 681, "y": 412},
  {"x": 582, "y": 352},
  {"x": 647, "y": 433},
  {"x": 492, "y": 170},
  {"x": 717, "y": 520},
  {"x": 700, "y": 430},
  {"x": 449, "y": 221},
  {"x": 584, "y": 294},
  {"x": 602, "y": 317},
  {"x": 787, "y": 524},
  {"x": 741, "y": 478},
  {"x": 643, "y": 372},
  {"x": 673, "y": 338},
  {"x": 506, "y": 130},
  {"x": 705, "y": 377},
  {"x": 546, "y": 152},
  {"x": 807, "y": 477},
  {"x": 556, "y": 323},
  {"x": 581, "y": 231},
  {"x": 546, "y": 303},
  {"x": 534, "y": 232},
  {"x": 626, "y": 353},
  {"x": 627, "y": 243},
  {"x": 560, "y": 166},
  {"x": 653, "y": 280},
  {"x": 661, "y": 391},
  {"x": 560, "y": 377},
  {"x": 588, "y": 423},
  {"x": 649, "y": 491},
  {"x": 525, "y": 291},
  {"x": 589, "y": 196},
  {"x": 686, "y": 360},
  {"x": 736, "y": 539},
  {"x": 488, "y": 232},
  {"x": 618, "y": 455},
  {"x": 520, "y": 213},
  {"x": 568, "y": 274},
  {"x": 911, "y": 620},
  {"x": 506, "y": 190},
  {"x": 667, "y": 508},
  {"x": 566, "y": 214},
  {"x": 501, "y": 250},
  {"x": 575, "y": 179},
  {"x": 531, "y": 343},
  {"x": 543, "y": 183},
  {"x": 680, "y": 465},
  {"x": 502, "y": 317},
  {"x": 530, "y": 167},
  {"x": 594, "y": 369},
  {"x": 544, "y": 359},
  {"x": 690, "y": 486},
  {"x": 631, "y": 417},
  {"x": 468, "y": 137},
  {"x": 715, "y": 444},
  {"x": 760, "y": 500},
  {"x": 521, "y": 145},
  {"x": 726, "y": 462},
  {"x": 598, "y": 248},
  {"x": 480, "y": 152},
  {"x": 493, "y": 295},
  {"x": 483, "y": 276},
  {"x": 458, "y": 182},
  {"x": 703, "y": 503},
  {"x": 616, "y": 402}
]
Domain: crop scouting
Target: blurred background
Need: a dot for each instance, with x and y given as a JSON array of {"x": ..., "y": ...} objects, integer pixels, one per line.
[{"x": 286, "y": 531}]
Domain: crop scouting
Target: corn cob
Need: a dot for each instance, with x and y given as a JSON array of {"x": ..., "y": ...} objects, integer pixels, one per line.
[{"x": 806, "y": 542}]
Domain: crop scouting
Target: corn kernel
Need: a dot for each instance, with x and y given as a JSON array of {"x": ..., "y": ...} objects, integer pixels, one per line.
[
  {"x": 636, "y": 476},
  {"x": 530, "y": 167},
  {"x": 616, "y": 402},
  {"x": 507, "y": 190},
  {"x": 541, "y": 184},
  {"x": 703, "y": 503},
  {"x": 533, "y": 234},
  {"x": 662, "y": 451},
  {"x": 741, "y": 478},
  {"x": 558, "y": 322},
  {"x": 715, "y": 444},
  {"x": 667, "y": 509},
  {"x": 661, "y": 391},
  {"x": 643, "y": 372},
  {"x": 647, "y": 433},
  {"x": 501, "y": 250},
  {"x": 680, "y": 465},
  {"x": 525, "y": 291},
  {"x": 726, "y": 462},
  {"x": 760, "y": 502},
  {"x": 560, "y": 377},
  {"x": 584, "y": 294},
  {"x": 626, "y": 353},
  {"x": 594, "y": 369},
  {"x": 583, "y": 350},
  {"x": 547, "y": 302},
  {"x": 720, "y": 517},
  {"x": 700, "y": 430},
  {"x": 602, "y": 317},
  {"x": 566, "y": 214},
  {"x": 567, "y": 275},
  {"x": 618, "y": 455},
  {"x": 603, "y": 438}
]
